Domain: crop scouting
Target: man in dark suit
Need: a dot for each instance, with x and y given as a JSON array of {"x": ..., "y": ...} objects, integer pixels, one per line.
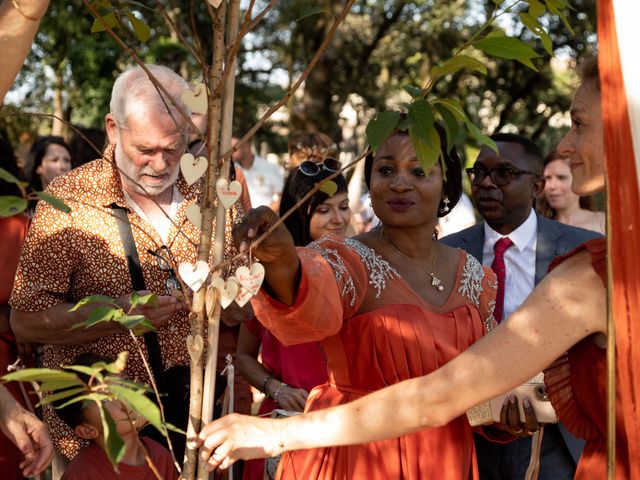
[{"x": 504, "y": 186}]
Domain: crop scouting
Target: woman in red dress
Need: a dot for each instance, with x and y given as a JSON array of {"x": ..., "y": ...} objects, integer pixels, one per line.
[{"x": 564, "y": 318}]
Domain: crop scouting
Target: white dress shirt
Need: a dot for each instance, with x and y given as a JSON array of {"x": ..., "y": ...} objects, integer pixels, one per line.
[
  {"x": 519, "y": 261},
  {"x": 264, "y": 181}
]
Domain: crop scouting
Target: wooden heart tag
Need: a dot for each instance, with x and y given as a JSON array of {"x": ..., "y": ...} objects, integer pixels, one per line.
[
  {"x": 215, "y": 3},
  {"x": 196, "y": 99},
  {"x": 251, "y": 278},
  {"x": 210, "y": 299},
  {"x": 228, "y": 290},
  {"x": 194, "y": 275},
  {"x": 195, "y": 346},
  {"x": 243, "y": 296},
  {"x": 194, "y": 215},
  {"x": 228, "y": 193},
  {"x": 192, "y": 168}
]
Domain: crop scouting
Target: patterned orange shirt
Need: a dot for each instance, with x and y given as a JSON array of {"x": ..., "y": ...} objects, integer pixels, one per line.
[{"x": 70, "y": 256}]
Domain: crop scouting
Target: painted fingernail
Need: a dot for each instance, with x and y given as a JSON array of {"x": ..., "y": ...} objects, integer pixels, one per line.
[
  {"x": 251, "y": 232},
  {"x": 526, "y": 403},
  {"x": 243, "y": 246}
]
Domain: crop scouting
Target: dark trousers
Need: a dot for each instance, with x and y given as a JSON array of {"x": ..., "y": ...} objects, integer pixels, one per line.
[{"x": 509, "y": 461}]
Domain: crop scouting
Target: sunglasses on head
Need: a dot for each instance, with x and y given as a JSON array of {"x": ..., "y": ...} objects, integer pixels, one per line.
[{"x": 310, "y": 168}]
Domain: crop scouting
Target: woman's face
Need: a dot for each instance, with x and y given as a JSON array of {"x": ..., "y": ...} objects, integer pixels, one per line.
[
  {"x": 402, "y": 193},
  {"x": 557, "y": 186},
  {"x": 56, "y": 161},
  {"x": 330, "y": 217},
  {"x": 583, "y": 144}
]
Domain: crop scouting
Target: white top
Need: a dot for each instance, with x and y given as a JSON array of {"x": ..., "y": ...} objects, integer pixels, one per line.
[
  {"x": 519, "y": 261},
  {"x": 264, "y": 181},
  {"x": 162, "y": 226}
]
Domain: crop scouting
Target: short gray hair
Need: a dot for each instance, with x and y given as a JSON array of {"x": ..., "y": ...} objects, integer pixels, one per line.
[{"x": 133, "y": 88}]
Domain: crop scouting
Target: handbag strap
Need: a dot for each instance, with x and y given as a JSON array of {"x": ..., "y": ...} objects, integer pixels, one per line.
[
  {"x": 534, "y": 464},
  {"x": 138, "y": 283}
]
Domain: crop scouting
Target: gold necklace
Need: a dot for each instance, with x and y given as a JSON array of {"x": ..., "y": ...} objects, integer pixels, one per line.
[{"x": 435, "y": 281}]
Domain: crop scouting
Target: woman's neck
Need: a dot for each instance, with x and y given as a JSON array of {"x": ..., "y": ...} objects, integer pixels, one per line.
[
  {"x": 568, "y": 215},
  {"x": 415, "y": 243}
]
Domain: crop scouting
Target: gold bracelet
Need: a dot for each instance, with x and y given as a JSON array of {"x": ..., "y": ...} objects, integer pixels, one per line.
[{"x": 16, "y": 5}]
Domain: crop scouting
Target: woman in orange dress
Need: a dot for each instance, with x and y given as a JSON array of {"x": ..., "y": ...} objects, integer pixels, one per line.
[
  {"x": 564, "y": 319},
  {"x": 388, "y": 305}
]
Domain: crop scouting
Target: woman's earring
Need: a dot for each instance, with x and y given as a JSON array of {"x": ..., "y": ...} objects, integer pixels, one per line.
[{"x": 445, "y": 208}]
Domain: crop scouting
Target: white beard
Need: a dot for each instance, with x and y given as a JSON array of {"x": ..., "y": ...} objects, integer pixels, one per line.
[{"x": 133, "y": 177}]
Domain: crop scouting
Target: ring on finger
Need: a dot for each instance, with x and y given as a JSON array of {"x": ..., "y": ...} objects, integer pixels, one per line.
[
  {"x": 530, "y": 432},
  {"x": 519, "y": 430}
]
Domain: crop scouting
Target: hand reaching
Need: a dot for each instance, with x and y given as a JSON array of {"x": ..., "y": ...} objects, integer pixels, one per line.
[
  {"x": 238, "y": 437},
  {"x": 27, "y": 432},
  {"x": 275, "y": 247}
]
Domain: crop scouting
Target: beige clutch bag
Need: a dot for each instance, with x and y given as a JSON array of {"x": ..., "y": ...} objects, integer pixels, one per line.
[{"x": 534, "y": 390}]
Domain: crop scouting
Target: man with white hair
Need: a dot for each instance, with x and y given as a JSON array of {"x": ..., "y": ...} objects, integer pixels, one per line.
[{"x": 68, "y": 256}]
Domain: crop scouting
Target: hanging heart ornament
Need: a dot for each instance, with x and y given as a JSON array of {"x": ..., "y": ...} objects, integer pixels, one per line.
[
  {"x": 228, "y": 193},
  {"x": 192, "y": 168},
  {"x": 196, "y": 99},
  {"x": 243, "y": 296},
  {"x": 194, "y": 275},
  {"x": 251, "y": 278},
  {"x": 194, "y": 215},
  {"x": 228, "y": 290}
]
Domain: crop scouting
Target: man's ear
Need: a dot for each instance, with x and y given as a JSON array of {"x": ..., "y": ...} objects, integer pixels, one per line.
[
  {"x": 111, "y": 126},
  {"x": 86, "y": 431},
  {"x": 538, "y": 186}
]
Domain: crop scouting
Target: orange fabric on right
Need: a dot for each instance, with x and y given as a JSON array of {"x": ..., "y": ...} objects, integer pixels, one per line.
[
  {"x": 576, "y": 384},
  {"x": 376, "y": 331}
]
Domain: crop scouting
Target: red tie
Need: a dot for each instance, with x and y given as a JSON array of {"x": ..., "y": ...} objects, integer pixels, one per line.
[{"x": 498, "y": 266}]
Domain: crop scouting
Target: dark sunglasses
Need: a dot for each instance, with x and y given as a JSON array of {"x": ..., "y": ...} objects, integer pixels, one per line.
[
  {"x": 164, "y": 260},
  {"x": 311, "y": 169},
  {"x": 500, "y": 176}
]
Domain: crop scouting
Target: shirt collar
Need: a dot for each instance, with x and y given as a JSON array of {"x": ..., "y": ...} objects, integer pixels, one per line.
[{"x": 520, "y": 237}]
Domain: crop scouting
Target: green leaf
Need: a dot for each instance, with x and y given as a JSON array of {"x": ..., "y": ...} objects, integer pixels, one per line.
[
  {"x": 8, "y": 177},
  {"x": 427, "y": 149},
  {"x": 54, "y": 397},
  {"x": 114, "y": 446},
  {"x": 451, "y": 125},
  {"x": 457, "y": 63},
  {"x": 140, "y": 28},
  {"x": 536, "y": 8},
  {"x": 554, "y": 7},
  {"x": 453, "y": 106},
  {"x": 11, "y": 205},
  {"x": 99, "y": 315},
  {"x": 170, "y": 426},
  {"x": 507, "y": 47},
  {"x": 139, "y": 403},
  {"x": 535, "y": 28},
  {"x": 138, "y": 323},
  {"x": 118, "y": 366},
  {"x": 53, "y": 384},
  {"x": 90, "y": 397},
  {"x": 310, "y": 11},
  {"x": 329, "y": 187},
  {"x": 93, "y": 299},
  {"x": 379, "y": 129},
  {"x": 481, "y": 137},
  {"x": 54, "y": 201},
  {"x": 421, "y": 116},
  {"x": 38, "y": 375},
  {"x": 412, "y": 90},
  {"x": 89, "y": 371},
  {"x": 137, "y": 300},
  {"x": 111, "y": 19}
]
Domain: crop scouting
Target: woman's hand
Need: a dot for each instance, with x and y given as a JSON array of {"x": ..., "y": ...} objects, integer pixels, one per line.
[
  {"x": 277, "y": 252},
  {"x": 510, "y": 418},
  {"x": 276, "y": 247},
  {"x": 238, "y": 437},
  {"x": 287, "y": 397}
]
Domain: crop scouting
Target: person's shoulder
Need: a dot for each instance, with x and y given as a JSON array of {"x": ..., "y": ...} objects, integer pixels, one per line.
[
  {"x": 576, "y": 235},
  {"x": 78, "y": 178},
  {"x": 88, "y": 464},
  {"x": 459, "y": 239},
  {"x": 162, "y": 458}
]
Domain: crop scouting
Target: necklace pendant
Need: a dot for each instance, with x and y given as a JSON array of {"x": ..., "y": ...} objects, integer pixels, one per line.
[{"x": 436, "y": 282}]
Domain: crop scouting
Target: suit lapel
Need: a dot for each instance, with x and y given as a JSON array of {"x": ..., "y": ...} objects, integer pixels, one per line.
[
  {"x": 475, "y": 241},
  {"x": 550, "y": 244}
]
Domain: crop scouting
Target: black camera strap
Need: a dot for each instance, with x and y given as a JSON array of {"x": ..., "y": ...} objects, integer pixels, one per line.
[{"x": 138, "y": 284}]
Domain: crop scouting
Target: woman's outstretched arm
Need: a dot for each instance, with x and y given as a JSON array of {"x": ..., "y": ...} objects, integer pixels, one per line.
[{"x": 567, "y": 306}]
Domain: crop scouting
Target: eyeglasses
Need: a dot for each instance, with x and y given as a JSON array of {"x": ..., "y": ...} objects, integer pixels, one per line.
[
  {"x": 311, "y": 169},
  {"x": 164, "y": 259},
  {"x": 500, "y": 176}
]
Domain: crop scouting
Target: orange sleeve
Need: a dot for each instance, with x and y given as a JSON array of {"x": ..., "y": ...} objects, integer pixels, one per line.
[{"x": 333, "y": 281}]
